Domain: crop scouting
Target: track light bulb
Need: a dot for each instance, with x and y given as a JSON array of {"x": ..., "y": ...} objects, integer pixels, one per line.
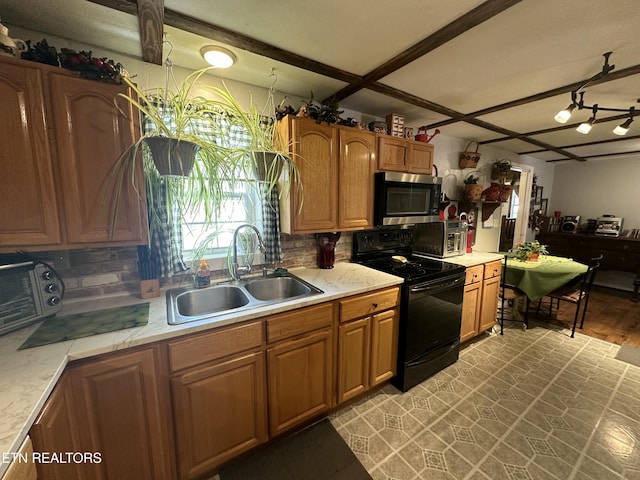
[
  {"x": 586, "y": 126},
  {"x": 623, "y": 128},
  {"x": 564, "y": 115}
]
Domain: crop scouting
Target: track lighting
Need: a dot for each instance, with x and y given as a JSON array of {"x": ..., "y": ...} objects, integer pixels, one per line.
[
  {"x": 585, "y": 127},
  {"x": 564, "y": 115},
  {"x": 623, "y": 128}
]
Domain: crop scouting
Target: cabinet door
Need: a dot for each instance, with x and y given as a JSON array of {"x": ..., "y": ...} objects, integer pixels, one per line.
[
  {"x": 392, "y": 153},
  {"x": 384, "y": 346},
  {"x": 471, "y": 307},
  {"x": 353, "y": 358},
  {"x": 300, "y": 380},
  {"x": 123, "y": 413},
  {"x": 355, "y": 177},
  {"x": 220, "y": 412},
  {"x": 316, "y": 149},
  {"x": 28, "y": 210},
  {"x": 489, "y": 309},
  {"x": 55, "y": 430},
  {"x": 420, "y": 157},
  {"x": 91, "y": 133}
]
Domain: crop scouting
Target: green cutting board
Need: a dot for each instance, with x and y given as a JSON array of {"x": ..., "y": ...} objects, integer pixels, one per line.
[{"x": 59, "y": 329}]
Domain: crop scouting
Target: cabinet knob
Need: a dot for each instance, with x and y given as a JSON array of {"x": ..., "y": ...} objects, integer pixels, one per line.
[{"x": 374, "y": 305}]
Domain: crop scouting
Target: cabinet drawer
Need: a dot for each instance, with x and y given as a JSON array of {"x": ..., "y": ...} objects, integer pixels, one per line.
[
  {"x": 474, "y": 274},
  {"x": 368, "y": 304},
  {"x": 492, "y": 269},
  {"x": 213, "y": 345},
  {"x": 299, "y": 321}
]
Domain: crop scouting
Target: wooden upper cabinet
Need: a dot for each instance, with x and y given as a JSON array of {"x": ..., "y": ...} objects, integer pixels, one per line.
[
  {"x": 66, "y": 135},
  {"x": 28, "y": 211},
  {"x": 92, "y": 132},
  {"x": 355, "y": 179},
  {"x": 336, "y": 168},
  {"x": 403, "y": 155}
]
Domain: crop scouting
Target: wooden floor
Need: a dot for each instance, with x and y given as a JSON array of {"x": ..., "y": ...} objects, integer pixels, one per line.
[{"x": 611, "y": 316}]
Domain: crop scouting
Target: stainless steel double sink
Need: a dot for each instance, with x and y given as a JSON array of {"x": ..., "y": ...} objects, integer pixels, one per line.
[{"x": 190, "y": 304}]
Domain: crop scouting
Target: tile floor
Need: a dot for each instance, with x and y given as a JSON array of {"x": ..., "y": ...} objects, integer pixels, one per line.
[{"x": 532, "y": 404}]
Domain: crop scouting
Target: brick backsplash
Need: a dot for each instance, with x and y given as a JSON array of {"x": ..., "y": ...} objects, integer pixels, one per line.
[{"x": 95, "y": 272}]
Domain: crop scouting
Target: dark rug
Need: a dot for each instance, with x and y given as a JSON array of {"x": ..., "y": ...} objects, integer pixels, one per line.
[
  {"x": 629, "y": 354},
  {"x": 59, "y": 329},
  {"x": 316, "y": 453}
]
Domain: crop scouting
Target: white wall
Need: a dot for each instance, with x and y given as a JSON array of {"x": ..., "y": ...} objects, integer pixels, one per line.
[{"x": 596, "y": 187}]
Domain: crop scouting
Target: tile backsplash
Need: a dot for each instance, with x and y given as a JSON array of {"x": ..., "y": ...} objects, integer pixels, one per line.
[{"x": 105, "y": 271}]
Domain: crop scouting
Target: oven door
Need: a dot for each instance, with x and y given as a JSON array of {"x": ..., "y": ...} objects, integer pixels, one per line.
[
  {"x": 429, "y": 329},
  {"x": 433, "y": 315}
]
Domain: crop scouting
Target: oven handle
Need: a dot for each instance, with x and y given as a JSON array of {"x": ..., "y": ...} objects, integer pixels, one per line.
[
  {"x": 424, "y": 358},
  {"x": 439, "y": 284}
]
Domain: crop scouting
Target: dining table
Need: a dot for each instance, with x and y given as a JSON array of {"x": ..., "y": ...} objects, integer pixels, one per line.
[{"x": 542, "y": 276}]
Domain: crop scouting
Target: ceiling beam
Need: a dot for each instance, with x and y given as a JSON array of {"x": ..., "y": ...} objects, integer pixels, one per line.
[
  {"x": 559, "y": 128},
  {"x": 626, "y": 72},
  {"x": 602, "y": 155},
  {"x": 151, "y": 26},
  {"x": 472, "y": 18},
  {"x": 588, "y": 144},
  {"x": 420, "y": 102},
  {"x": 236, "y": 39}
]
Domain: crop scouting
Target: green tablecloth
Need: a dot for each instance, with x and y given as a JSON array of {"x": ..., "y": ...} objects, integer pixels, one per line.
[{"x": 539, "y": 278}]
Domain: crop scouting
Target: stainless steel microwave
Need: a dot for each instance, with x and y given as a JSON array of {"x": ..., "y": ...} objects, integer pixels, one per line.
[
  {"x": 405, "y": 198},
  {"x": 30, "y": 290},
  {"x": 441, "y": 239}
]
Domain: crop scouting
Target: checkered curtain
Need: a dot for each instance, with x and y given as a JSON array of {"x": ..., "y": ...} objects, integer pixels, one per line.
[
  {"x": 238, "y": 137},
  {"x": 166, "y": 242}
]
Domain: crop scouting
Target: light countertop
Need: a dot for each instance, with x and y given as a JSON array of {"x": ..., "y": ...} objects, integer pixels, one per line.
[
  {"x": 474, "y": 258},
  {"x": 29, "y": 376}
]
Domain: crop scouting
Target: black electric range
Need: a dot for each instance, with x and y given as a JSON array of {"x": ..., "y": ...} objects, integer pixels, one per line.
[{"x": 431, "y": 301}]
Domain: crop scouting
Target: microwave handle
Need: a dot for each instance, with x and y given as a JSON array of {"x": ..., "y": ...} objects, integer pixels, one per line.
[{"x": 16, "y": 265}]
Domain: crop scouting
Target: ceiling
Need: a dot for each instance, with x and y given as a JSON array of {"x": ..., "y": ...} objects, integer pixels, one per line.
[{"x": 495, "y": 71}]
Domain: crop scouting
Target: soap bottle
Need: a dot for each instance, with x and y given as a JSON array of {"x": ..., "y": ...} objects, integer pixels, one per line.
[{"x": 203, "y": 275}]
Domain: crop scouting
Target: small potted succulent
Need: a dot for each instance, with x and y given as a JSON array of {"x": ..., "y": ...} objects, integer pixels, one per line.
[{"x": 530, "y": 251}]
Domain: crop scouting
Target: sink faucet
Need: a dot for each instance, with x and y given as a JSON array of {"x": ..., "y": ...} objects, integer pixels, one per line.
[{"x": 237, "y": 270}]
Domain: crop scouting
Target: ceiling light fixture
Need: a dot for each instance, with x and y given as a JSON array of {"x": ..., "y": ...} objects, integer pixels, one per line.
[
  {"x": 585, "y": 127},
  {"x": 623, "y": 128},
  {"x": 218, "y": 57},
  {"x": 564, "y": 115}
]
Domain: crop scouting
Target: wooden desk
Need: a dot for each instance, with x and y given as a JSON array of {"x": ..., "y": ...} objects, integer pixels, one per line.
[{"x": 618, "y": 253}]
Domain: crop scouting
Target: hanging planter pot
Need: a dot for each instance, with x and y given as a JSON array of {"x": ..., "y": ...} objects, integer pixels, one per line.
[
  {"x": 172, "y": 157},
  {"x": 267, "y": 166}
]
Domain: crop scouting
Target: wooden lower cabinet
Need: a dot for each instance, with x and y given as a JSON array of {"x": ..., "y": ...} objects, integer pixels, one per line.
[
  {"x": 354, "y": 345},
  {"x": 114, "y": 408},
  {"x": 300, "y": 376},
  {"x": 490, "y": 293},
  {"x": 480, "y": 306},
  {"x": 219, "y": 412},
  {"x": 20, "y": 469},
  {"x": 472, "y": 303},
  {"x": 368, "y": 345},
  {"x": 384, "y": 346}
]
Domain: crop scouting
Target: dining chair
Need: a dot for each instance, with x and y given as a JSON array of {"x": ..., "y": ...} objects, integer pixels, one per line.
[
  {"x": 509, "y": 296},
  {"x": 576, "y": 293}
]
